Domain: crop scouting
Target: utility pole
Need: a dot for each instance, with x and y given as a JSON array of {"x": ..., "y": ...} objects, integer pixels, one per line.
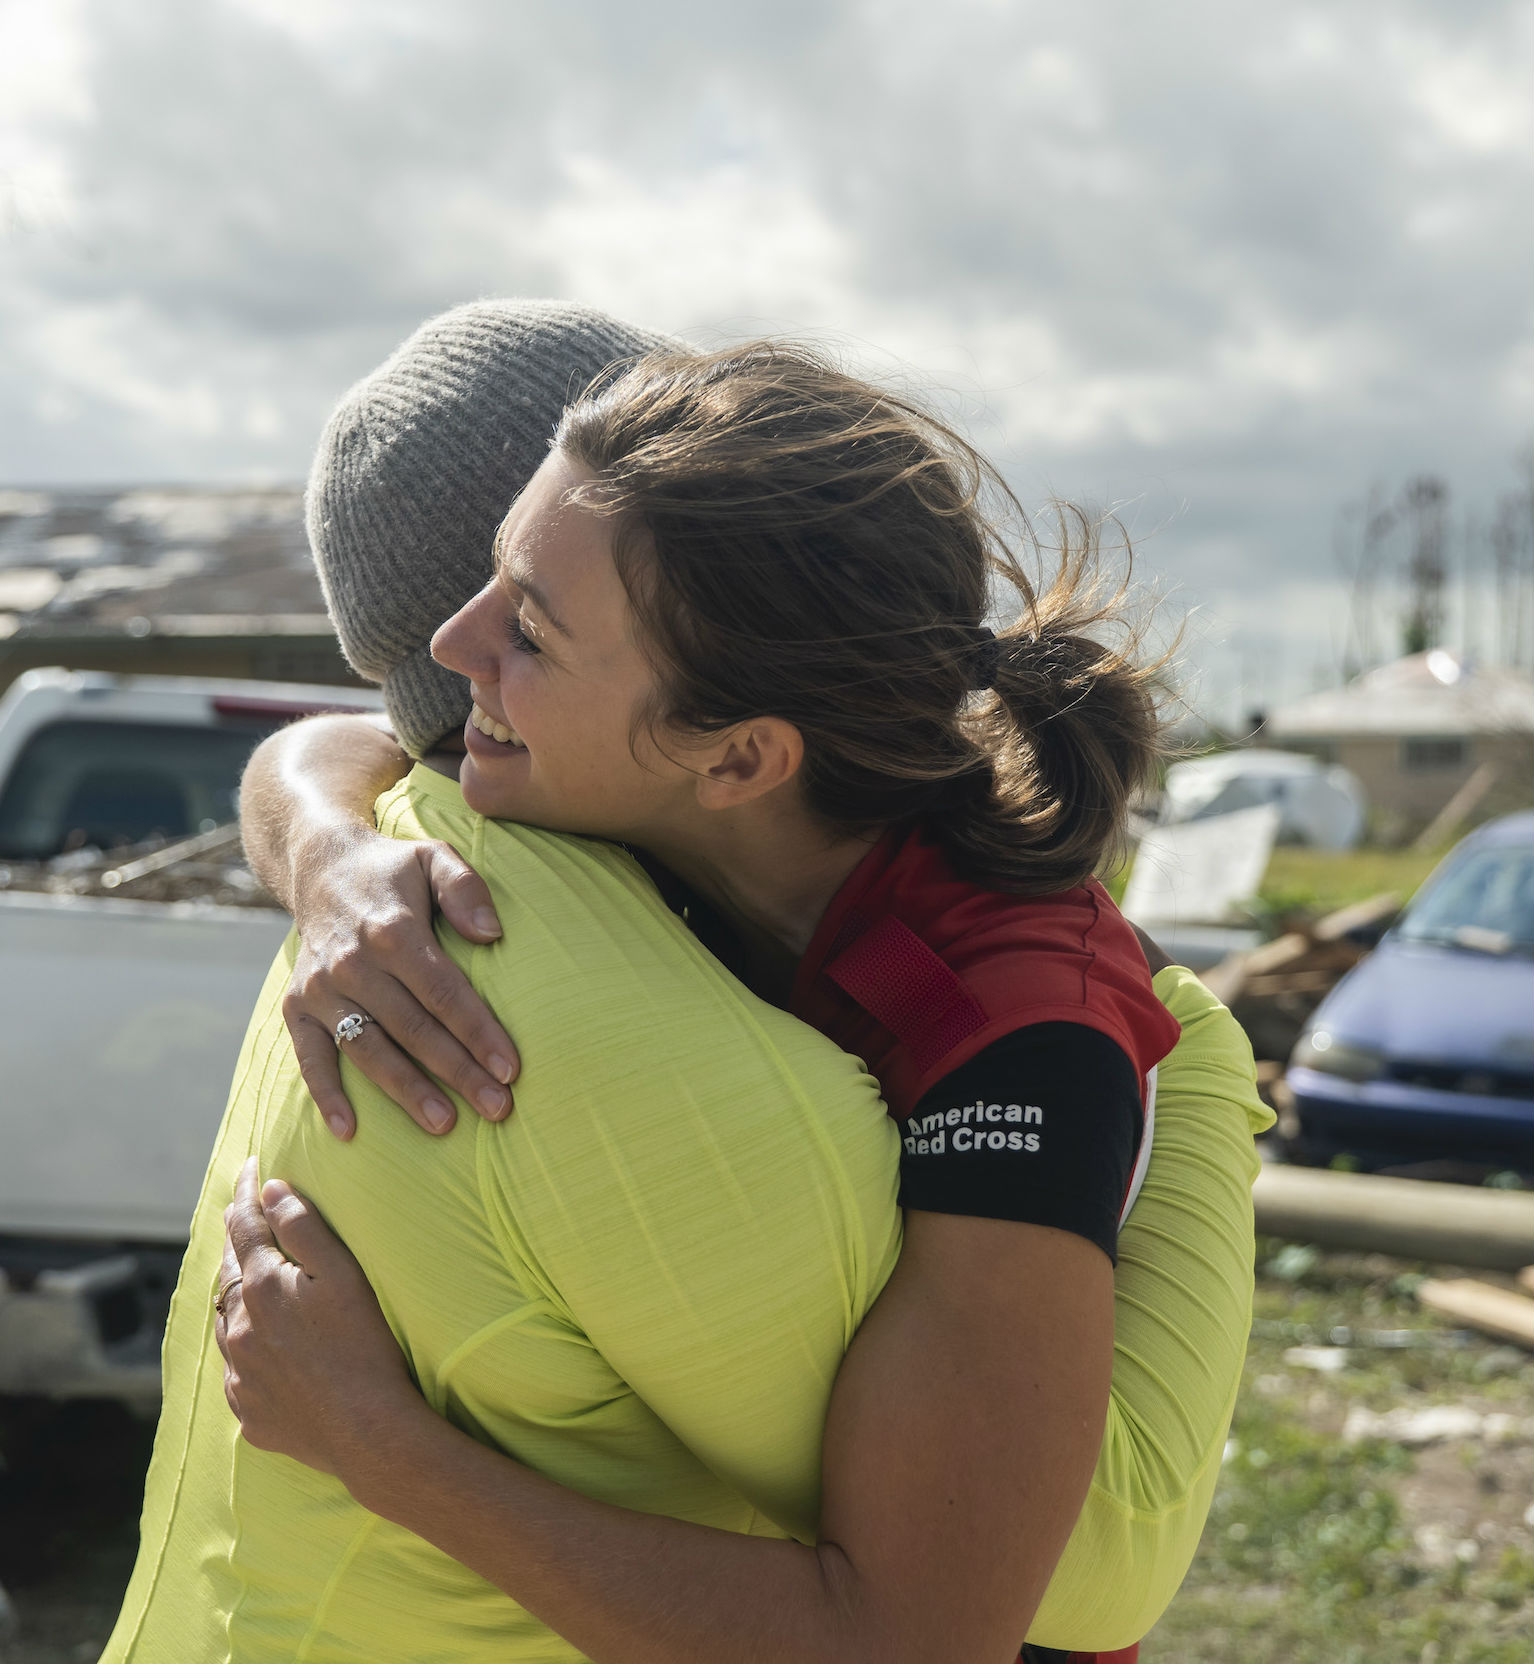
[
  {"x": 1511, "y": 537},
  {"x": 1379, "y": 518},
  {"x": 1426, "y": 503},
  {"x": 1470, "y": 628}
]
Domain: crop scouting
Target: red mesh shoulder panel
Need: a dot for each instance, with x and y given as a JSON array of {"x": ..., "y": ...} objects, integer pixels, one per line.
[{"x": 893, "y": 974}]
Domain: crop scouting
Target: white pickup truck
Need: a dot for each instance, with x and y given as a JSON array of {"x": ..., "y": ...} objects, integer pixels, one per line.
[{"x": 119, "y": 1020}]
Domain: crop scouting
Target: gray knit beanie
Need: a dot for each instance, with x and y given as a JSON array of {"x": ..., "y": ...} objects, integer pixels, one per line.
[{"x": 416, "y": 470}]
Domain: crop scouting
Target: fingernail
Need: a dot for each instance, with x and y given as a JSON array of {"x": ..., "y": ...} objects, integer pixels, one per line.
[
  {"x": 337, "y": 1123},
  {"x": 501, "y": 1068},
  {"x": 492, "y": 1101},
  {"x": 438, "y": 1114},
  {"x": 485, "y": 922}
]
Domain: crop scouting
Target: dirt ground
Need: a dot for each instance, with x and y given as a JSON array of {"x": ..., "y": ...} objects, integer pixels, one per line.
[
  {"x": 1329, "y": 1539},
  {"x": 1377, "y": 1501}
]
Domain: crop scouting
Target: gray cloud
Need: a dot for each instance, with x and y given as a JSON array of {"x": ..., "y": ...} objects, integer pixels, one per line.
[{"x": 1227, "y": 262}]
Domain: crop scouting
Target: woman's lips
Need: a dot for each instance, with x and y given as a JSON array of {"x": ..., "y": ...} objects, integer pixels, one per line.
[{"x": 483, "y": 732}]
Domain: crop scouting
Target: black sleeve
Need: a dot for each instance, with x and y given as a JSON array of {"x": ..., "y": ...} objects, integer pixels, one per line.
[{"x": 1041, "y": 1127}]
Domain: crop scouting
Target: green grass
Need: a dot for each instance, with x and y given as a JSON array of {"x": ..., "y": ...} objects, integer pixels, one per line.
[
  {"x": 1306, "y": 881},
  {"x": 1320, "y": 880},
  {"x": 1311, "y": 1550}
]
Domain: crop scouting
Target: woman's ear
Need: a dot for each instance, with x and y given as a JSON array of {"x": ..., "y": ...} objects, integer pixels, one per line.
[{"x": 752, "y": 759}]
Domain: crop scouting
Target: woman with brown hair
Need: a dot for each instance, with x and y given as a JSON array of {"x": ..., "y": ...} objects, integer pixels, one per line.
[{"x": 738, "y": 622}]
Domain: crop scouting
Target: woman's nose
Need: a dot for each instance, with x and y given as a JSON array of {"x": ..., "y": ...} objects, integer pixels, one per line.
[{"x": 465, "y": 643}]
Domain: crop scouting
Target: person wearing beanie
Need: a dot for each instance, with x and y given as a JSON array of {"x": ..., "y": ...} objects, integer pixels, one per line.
[
  {"x": 417, "y": 467},
  {"x": 630, "y": 1273},
  {"x": 651, "y": 1313}
]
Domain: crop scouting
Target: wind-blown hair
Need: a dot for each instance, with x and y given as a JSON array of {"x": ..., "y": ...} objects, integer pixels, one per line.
[{"x": 798, "y": 543}]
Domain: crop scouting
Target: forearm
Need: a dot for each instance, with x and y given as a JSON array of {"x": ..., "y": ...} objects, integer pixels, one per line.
[
  {"x": 307, "y": 791},
  {"x": 619, "y": 1585},
  {"x": 937, "y": 1540}
]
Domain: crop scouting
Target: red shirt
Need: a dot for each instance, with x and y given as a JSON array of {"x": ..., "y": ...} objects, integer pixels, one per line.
[{"x": 915, "y": 970}]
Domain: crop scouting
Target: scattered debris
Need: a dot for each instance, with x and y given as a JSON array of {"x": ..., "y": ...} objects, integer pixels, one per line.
[
  {"x": 94, "y": 558},
  {"x": 1273, "y": 989},
  {"x": 1200, "y": 870},
  {"x": 1494, "y": 1311},
  {"x": 1438, "y": 1547},
  {"x": 1326, "y": 1360},
  {"x": 1505, "y": 1360},
  {"x": 1292, "y": 1263},
  {"x": 1434, "y": 1425},
  {"x": 203, "y": 845},
  {"x": 1319, "y": 804},
  {"x": 1376, "y": 1339},
  {"x": 207, "y": 868}
]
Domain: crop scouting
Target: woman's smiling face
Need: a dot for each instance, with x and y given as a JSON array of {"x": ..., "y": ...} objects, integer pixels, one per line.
[{"x": 558, "y": 678}]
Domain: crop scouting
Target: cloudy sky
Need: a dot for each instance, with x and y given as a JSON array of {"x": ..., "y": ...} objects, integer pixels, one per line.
[{"x": 1222, "y": 264}]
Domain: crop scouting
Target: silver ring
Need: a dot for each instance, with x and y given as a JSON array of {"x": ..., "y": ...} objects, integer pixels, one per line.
[{"x": 350, "y": 1029}]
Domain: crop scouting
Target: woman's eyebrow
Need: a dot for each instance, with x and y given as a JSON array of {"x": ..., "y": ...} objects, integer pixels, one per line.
[
  {"x": 540, "y": 600},
  {"x": 505, "y": 567}
]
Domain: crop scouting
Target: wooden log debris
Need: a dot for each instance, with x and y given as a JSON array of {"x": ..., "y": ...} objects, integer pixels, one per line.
[
  {"x": 225, "y": 838},
  {"x": 1495, "y": 1311},
  {"x": 1326, "y": 947},
  {"x": 1458, "y": 810},
  {"x": 1491, "y": 1229},
  {"x": 207, "y": 868},
  {"x": 1273, "y": 989}
]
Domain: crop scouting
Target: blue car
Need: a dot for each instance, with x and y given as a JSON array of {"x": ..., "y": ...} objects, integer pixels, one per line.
[{"x": 1425, "y": 1051}]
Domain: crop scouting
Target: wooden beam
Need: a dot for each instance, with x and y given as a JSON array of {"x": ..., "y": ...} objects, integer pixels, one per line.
[
  {"x": 1354, "y": 917},
  {"x": 1457, "y": 811},
  {"x": 1494, "y": 1311}
]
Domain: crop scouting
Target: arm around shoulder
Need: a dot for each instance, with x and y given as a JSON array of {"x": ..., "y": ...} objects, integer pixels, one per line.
[{"x": 308, "y": 790}]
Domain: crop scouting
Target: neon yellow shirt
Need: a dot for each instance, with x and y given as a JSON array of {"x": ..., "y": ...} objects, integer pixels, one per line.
[
  {"x": 642, "y": 1285},
  {"x": 249, "y": 1556},
  {"x": 1182, "y": 1311}
]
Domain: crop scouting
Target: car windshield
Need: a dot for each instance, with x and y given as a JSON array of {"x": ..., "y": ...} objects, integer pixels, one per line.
[{"x": 1483, "y": 901}]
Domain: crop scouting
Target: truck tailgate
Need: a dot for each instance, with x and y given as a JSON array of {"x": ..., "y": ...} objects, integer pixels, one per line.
[{"x": 119, "y": 1028}]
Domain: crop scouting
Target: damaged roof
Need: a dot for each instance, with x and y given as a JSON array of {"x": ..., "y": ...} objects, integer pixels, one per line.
[
  {"x": 1432, "y": 693},
  {"x": 157, "y": 561}
]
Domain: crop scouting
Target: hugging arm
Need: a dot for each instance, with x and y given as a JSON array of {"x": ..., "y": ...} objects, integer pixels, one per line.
[
  {"x": 960, "y": 1441},
  {"x": 363, "y": 905}
]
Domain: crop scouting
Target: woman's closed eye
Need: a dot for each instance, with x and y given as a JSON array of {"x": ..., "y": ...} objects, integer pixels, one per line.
[{"x": 518, "y": 636}]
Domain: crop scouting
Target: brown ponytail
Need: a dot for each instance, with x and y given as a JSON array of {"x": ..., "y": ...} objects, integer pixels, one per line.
[{"x": 797, "y": 543}]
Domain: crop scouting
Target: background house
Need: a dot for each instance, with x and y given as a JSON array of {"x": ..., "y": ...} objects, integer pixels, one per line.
[{"x": 1415, "y": 732}]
